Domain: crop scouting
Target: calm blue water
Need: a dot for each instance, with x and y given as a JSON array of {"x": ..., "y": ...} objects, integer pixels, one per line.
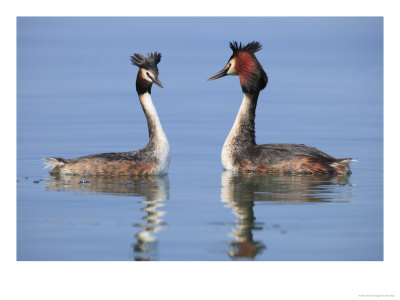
[{"x": 76, "y": 96}]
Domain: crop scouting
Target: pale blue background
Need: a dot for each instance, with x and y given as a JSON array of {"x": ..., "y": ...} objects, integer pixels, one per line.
[{"x": 76, "y": 96}]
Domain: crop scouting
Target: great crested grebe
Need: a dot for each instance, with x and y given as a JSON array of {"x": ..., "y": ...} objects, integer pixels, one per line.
[
  {"x": 240, "y": 151},
  {"x": 154, "y": 158}
]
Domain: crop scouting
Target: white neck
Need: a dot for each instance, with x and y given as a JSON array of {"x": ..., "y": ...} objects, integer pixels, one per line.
[
  {"x": 242, "y": 132},
  {"x": 153, "y": 121},
  {"x": 157, "y": 138}
]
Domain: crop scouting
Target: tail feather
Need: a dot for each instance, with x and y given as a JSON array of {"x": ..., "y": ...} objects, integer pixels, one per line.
[
  {"x": 52, "y": 162},
  {"x": 341, "y": 166},
  {"x": 345, "y": 161}
]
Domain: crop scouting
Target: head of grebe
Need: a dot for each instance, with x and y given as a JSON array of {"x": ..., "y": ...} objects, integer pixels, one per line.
[
  {"x": 244, "y": 63},
  {"x": 148, "y": 71}
]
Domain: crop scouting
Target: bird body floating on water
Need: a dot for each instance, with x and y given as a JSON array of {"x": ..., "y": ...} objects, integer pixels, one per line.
[
  {"x": 154, "y": 158},
  {"x": 240, "y": 151}
]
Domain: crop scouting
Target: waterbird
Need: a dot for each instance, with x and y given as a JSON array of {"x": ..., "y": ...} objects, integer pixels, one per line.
[
  {"x": 240, "y": 151},
  {"x": 153, "y": 159}
]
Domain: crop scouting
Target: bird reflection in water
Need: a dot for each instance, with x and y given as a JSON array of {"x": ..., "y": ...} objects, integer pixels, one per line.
[
  {"x": 154, "y": 190},
  {"x": 240, "y": 191}
]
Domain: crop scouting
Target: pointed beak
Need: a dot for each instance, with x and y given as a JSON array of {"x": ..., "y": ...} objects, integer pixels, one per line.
[
  {"x": 221, "y": 73},
  {"x": 156, "y": 81}
]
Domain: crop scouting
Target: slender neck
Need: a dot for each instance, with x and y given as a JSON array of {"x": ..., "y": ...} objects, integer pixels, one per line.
[
  {"x": 156, "y": 131},
  {"x": 243, "y": 130}
]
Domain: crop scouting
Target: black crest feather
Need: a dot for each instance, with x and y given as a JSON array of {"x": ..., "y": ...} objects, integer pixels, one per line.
[
  {"x": 255, "y": 79},
  {"x": 148, "y": 62},
  {"x": 251, "y": 47}
]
